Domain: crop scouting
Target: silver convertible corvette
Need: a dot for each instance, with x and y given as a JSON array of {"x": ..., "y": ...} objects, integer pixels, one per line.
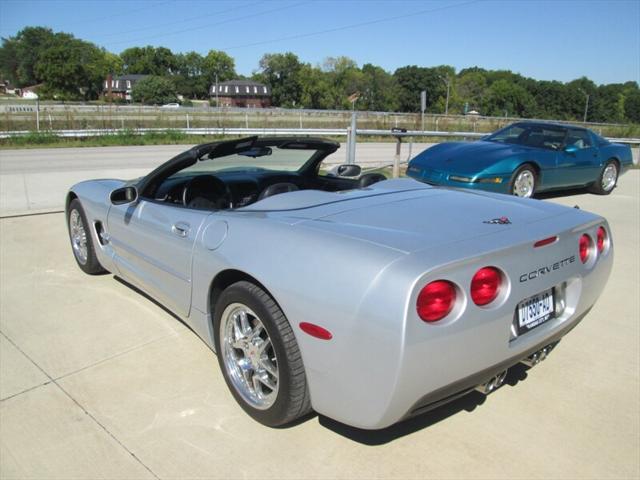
[{"x": 364, "y": 299}]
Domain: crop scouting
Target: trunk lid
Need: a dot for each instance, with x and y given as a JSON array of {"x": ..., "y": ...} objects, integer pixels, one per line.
[{"x": 409, "y": 221}]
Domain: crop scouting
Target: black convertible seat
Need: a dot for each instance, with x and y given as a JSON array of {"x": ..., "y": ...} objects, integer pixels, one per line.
[{"x": 369, "y": 179}]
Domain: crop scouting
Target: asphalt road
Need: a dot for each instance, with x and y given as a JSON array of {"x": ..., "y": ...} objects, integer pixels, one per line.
[
  {"x": 37, "y": 180},
  {"x": 97, "y": 381}
]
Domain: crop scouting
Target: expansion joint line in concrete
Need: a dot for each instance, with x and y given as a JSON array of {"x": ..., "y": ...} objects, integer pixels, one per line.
[{"x": 52, "y": 380}]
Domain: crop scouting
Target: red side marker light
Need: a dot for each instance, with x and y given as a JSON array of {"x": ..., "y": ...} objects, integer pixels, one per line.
[
  {"x": 316, "y": 331},
  {"x": 545, "y": 241}
]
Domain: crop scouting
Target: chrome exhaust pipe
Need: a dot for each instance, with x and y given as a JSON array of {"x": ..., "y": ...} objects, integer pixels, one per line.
[
  {"x": 493, "y": 384},
  {"x": 537, "y": 357}
]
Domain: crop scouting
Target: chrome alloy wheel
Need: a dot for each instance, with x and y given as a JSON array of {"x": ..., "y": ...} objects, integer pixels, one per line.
[
  {"x": 78, "y": 236},
  {"x": 249, "y": 356},
  {"x": 609, "y": 177},
  {"x": 523, "y": 184}
]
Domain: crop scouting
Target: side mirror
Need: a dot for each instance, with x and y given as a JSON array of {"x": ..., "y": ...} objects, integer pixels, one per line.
[
  {"x": 124, "y": 195},
  {"x": 571, "y": 149},
  {"x": 348, "y": 170}
]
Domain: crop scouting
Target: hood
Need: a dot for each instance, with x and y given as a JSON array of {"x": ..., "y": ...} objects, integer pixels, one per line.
[
  {"x": 415, "y": 219},
  {"x": 466, "y": 157}
]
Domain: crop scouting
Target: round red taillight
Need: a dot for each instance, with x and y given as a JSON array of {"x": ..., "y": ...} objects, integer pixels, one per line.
[
  {"x": 601, "y": 240},
  {"x": 436, "y": 300},
  {"x": 485, "y": 285},
  {"x": 585, "y": 248}
]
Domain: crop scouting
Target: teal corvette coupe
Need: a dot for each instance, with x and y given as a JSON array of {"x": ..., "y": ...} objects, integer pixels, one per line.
[{"x": 525, "y": 158}]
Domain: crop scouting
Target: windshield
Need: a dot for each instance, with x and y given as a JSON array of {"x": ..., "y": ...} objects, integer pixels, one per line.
[
  {"x": 254, "y": 160},
  {"x": 537, "y": 136}
]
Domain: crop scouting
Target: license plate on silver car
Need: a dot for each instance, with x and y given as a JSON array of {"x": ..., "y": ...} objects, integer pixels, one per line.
[{"x": 534, "y": 311}]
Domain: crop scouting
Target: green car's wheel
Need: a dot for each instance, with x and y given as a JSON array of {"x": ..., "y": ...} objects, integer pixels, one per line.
[
  {"x": 607, "y": 179},
  {"x": 524, "y": 181}
]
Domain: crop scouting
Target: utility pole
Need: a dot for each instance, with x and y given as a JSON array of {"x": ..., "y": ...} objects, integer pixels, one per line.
[
  {"x": 37, "y": 113},
  {"x": 586, "y": 105},
  {"x": 423, "y": 106},
  {"x": 217, "y": 88},
  {"x": 447, "y": 82}
]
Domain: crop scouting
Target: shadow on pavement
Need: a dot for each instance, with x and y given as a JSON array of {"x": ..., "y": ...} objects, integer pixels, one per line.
[
  {"x": 562, "y": 193},
  {"x": 468, "y": 403}
]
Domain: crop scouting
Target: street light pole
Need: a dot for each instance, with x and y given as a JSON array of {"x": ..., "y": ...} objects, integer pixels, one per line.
[
  {"x": 586, "y": 105},
  {"x": 447, "y": 82}
]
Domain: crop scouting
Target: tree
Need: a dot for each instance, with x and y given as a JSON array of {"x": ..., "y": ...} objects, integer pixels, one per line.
[
  {"x": 316, "y": 88},
  {"x": 632, "y": 105},
  {"x": 471, "y": 87},
  {"x": 72, "y": 68},
  {"x": 154, "y": 90},
  {"x": 189, "y": 79},
  {"x": 345, "y": 78},
  {"x": 556, "y": 100},
  {"x": 220, "y": 64},
  {"x": 149, "y": 60},
  {"x": 380, "y": 92},
  {"x": 506, "y": 98},
  {"x": 19, "y": 55},
  {"x": 283, "y": 73},
  {"x": 114, "y": 63},
  {"x": 411, "y": 81}
]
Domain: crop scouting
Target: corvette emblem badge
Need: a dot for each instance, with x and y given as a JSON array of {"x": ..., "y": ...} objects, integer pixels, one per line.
[{"x": 498, "y": 221}]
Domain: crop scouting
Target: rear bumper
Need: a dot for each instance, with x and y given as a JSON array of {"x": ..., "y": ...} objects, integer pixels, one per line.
[{"x": 466, "y": 385}]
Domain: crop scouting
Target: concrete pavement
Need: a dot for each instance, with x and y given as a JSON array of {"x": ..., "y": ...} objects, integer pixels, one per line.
[{"x": 97, "y": 381}]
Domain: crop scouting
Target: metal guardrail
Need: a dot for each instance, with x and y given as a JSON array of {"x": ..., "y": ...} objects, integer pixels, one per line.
[{"x": 331, "y": 132}]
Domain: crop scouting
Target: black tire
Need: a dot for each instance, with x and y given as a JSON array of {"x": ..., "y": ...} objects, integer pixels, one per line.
[
  {"x": 526, "y": 169},
  {"x": 90, "y": 264},
  {"x": 601, "y": 187},
  {"x": 292, "y": 396}
]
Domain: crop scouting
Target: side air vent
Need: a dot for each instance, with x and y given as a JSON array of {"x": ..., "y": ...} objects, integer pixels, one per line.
[{"x": 103, "y": 238}]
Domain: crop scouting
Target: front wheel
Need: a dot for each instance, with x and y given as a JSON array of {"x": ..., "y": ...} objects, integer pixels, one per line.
[
  {"x": 523, "y": 182},
  {"x": 81, "y": 241},
  {"x": 607, "y": 179},
  {"x": 259, "y": 356}
]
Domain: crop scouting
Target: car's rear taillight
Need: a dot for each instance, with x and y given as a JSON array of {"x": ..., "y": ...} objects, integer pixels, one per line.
[
  {"x": 601, "y": 239},
  {"x": 436, "y": 300},
  {"x": 585, "y": 246},
  {"x": 485, "y": 285}
]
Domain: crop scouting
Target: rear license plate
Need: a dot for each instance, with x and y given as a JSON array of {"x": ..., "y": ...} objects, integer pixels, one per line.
[{"x": 534, "y": 311}]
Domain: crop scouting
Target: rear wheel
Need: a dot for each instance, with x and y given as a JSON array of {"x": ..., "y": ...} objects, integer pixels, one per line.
[
  {"x": 524, "y": 181},
  {"x": 259, "y": 356},
  {"x": 607, "y": 179},
  {"x": 81, "y": 240}
]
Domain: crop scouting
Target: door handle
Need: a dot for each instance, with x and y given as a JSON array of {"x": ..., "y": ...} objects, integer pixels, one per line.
[{"x": 181, "y": 229}]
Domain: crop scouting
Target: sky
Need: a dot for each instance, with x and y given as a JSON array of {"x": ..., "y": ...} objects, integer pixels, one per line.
[{"x": 544, "y": 39}]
